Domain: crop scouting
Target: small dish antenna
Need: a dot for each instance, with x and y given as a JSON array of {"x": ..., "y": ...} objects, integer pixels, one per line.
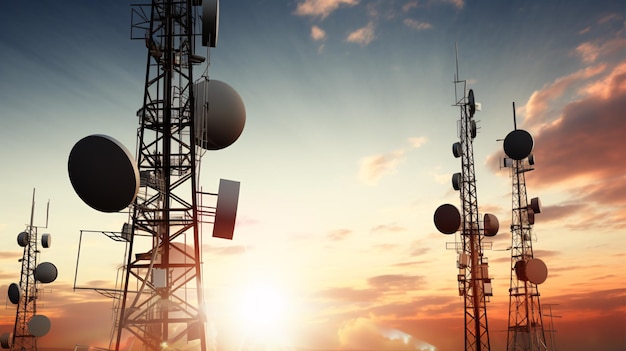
[
  {"x": 533, "y": 270},
  {"x": 39, "y": 325},
  {"x": 23, "y": 239},
  {"x": 46, "y": 272},
  {"x": 447, "y": 219},
  {"x": 471, "y": 103},
  {"x": 14, "y": 293},
  {"x": 219, "y": 112},
  {"x": 103, "y": 173},
  {"x": 5, "y": 340},
  {"x": 491, "y": 223}
]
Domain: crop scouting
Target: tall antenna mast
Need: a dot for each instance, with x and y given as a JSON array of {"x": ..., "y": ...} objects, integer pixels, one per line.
[
  {"x": 160, "y": 301},
  {"x": 525, "y": 330},
  {"x": 28, "y": 323},
  {"x": 473, "y": 279}
]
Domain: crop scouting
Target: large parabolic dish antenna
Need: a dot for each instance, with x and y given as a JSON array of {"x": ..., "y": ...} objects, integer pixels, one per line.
[
  {"x": 103, "y": 173},
  {"x": 219, "y": 113},
  {"x": 518, "y": 144}
]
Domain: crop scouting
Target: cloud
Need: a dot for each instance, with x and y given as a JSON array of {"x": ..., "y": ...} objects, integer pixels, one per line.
[
  {"x": 321, "y": 8},
  {"x": 373, "y": 168},
  {"x": 317, "y": 33},
  {"x": 370, "y": 334},
  {"x": 411, "y": 23},
  {"x": 418, "y": 142},
  {"x": 362, "y": 36},
  {"x": 392, "y": 228},
  {"x": 396, "y": 283},
  {"x": 339, "y": 234}
]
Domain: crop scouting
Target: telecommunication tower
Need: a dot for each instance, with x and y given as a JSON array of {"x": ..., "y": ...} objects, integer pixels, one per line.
[
  {"x": 29, "y": 324},
  {"x": 473, "y": 279},
  {"x": 159, "y": 300},
  {"x": 525, "y": 330}
]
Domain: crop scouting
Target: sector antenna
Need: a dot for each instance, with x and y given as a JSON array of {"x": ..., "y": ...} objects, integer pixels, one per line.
[
  {"x": 473, "y": 279},
  {"x": 29, "y": 322},
  {"x": 158, "y": 297}
]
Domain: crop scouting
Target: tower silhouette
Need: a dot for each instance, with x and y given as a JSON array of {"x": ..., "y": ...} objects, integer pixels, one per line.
[
  {"x": 525, "y": 327},
  {"x": 473, "y": 279}
]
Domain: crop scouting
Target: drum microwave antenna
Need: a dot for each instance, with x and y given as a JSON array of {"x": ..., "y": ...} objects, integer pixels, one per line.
[
  {"x": 29, "y": 323},
  {"x": 474, "y": 283},
  {"x": 525, "y": 328}
]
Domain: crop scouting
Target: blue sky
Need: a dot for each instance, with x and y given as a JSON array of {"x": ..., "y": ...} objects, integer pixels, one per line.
[{"x": 344, "y": 157}]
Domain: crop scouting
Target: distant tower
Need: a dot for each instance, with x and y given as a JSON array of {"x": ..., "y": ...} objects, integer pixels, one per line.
[
  {"x": 160, "y": 301},
  {"x": 473, "y": 279},
  {"x": 28, "y": 323},
  {"x": 525, "y": 331}
]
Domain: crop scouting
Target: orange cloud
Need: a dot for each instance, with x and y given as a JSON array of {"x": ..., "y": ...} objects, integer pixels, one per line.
[
  {"x": 373, "y": 168},
  {"x": 321, "y": 8},
  {"x": 317, "y": 33},
  {"x": 362, "y": 36}
]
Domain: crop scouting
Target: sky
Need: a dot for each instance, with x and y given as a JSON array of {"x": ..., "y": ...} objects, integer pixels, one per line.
[{"x": 344, "y": 158}]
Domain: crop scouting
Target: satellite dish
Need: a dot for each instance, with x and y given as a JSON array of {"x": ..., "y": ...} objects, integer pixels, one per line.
[
  {"x": 471, "y": 103},
  {"x": 103, "y": 173},
  {"x": 226, "y": 209},
  {"x": 518, "y": 144},
  {"x": 456, "y": 181},
  {"x": 447, "y": 219},
  {"x": 473, "y": 128},
  {"x": 533, "y": 270},
  {"x": 5, "y": 340},
  {"x": 39, "y": 325},
  {"x": 219, "y": 113},
  {"x": 535, "y": 204},
  {"x": 46, "y": 272},
  {"x": 46, "y": 240},
  {"x": 23, "y": 239},
  {"x": 14, "y": 293},
  {"x": 210, "y": 22},
  {"x": 491, "y": 224},
  {"x": 457, "y": 150}
]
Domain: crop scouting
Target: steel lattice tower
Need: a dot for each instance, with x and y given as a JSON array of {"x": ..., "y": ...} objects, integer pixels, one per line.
[
  {"x": 525, "y": 328},
  {"x": 27, "y": 305},
  {"x": 473, "y": 279},
  {"x": 472, "y": 283},
  {"x": 28, "y": 323},
  {"x": 162, "y": 302}
]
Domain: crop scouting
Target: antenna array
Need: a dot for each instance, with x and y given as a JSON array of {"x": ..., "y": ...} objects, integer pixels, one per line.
[
  {"x": 473, "y": 279},
  {"x": 525, "y": 330},
  {"x": 28, "y": 323},
  {"x": 159, "y": 301}
]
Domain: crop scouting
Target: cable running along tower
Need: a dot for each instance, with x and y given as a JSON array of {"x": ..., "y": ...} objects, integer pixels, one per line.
[
  {"x": 473, "y": 279},
  {"x": 159, "y": 301},
  {"x": 525, "y": 330}
]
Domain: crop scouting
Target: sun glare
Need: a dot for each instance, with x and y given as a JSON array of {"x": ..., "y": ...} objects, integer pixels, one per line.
[{"x": 262, "y": 308}]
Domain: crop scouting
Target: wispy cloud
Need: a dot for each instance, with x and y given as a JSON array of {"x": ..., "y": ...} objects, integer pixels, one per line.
[
  {"x": 362, "y": 36},
  {"x": 411, "y": 23},
  {"x": 339, "y": 234},
  {"x": 374, "y": 167},
  {"x": 321, "y": 8}
]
